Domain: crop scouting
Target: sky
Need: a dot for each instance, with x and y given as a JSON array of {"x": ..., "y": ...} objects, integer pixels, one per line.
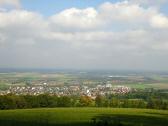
[{"x": 84, "y": 34}]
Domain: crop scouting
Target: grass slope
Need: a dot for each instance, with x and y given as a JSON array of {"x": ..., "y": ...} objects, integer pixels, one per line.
[{"x": 83, "y": 117}]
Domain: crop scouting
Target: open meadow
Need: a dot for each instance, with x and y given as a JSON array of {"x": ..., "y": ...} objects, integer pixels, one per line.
[{"x": 84, "y": 117}]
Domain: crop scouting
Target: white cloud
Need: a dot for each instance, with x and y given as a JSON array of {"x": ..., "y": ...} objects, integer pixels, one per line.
[
  {"x": 19, "y": 18},
  {"x": 15, "y": 3},
  {"x": 76, "y": 18},
  {"x": 107, "y": 15},
  {"x": 124, "y": 11},
  {"x": 159, "y": 21},
  {"x": 149, "y": 2},
  {"x": 133, "y": 15}
]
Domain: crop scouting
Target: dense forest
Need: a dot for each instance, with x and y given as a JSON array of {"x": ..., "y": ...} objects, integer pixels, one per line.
[{"x": 151, "y": 100}]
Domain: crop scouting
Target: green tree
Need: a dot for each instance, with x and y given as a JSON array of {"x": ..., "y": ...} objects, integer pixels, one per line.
[
  {"x": 114, "y": 102},
  {"x": 99, "y": 101},
  {"x": 7, "y": 102},
  {"x": 64, "y": 101},
  {"x": 85, "y": 101},
  {"x": 20, "y": 102}
]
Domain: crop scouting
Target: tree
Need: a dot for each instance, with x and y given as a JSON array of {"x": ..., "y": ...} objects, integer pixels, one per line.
[
  {"x": 7, "y": 102},
  {"x": 64, "y": 101},
  {"x": 99, "y": 101},
  {"x": 32, "y": 101},
  {"x": 20, "y": 102},
  {"x": 114, "y": 102},
  {"x": 85, "y": 101},
  {"x": 44, "y": 100}
]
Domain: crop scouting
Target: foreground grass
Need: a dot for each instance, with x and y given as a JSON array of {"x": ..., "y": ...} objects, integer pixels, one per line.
[{"x": 83, "y": 117}]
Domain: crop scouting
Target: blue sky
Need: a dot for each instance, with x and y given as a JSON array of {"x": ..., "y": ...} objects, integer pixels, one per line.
[
  {"x": 164, "y": 9},
  {"x": 49, "y": 7}
]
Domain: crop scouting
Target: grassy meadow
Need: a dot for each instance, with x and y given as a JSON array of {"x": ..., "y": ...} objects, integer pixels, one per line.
[{"x": 84, "y": 117}]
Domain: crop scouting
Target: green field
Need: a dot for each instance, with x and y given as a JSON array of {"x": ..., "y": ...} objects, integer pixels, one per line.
[
  {"x": 84, "y": 117},
  {"x": 61, "y": 78}
]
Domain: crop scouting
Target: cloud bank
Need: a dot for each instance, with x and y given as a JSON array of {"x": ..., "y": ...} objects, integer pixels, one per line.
[{"x": 121, "y": 35}]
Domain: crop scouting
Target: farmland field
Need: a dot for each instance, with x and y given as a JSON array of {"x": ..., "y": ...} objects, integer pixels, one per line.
[
  {"x": 84, "y": 116},
  {"x": 89, "y": 79}
]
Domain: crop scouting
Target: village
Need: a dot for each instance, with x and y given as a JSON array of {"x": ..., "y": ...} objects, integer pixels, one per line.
[{"x": 68, "y": 90}]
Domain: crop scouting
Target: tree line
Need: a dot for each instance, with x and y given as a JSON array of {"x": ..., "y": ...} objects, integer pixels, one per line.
[{"x": 132, "y": 100}]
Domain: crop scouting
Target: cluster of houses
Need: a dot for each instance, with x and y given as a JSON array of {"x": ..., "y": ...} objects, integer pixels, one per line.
[{"x": 68, "y": 90}]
